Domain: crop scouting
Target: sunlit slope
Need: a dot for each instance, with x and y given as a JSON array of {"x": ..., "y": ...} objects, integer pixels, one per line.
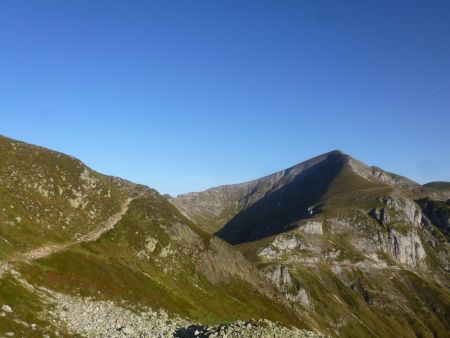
[
  {"x": 49, "y": 197},
  {"x": 155, "y": 257},
  {"x": 67, "y": 230}
]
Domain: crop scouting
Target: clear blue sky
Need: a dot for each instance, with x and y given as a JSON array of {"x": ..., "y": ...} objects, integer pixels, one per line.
[{"x": 184, "y": 95}]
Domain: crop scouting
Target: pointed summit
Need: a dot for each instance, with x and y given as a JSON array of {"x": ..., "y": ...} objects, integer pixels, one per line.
[{"x": 308, "y": 180}]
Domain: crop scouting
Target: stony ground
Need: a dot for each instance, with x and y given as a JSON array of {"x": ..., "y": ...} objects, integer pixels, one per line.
[
  {"x": 86, "y": 317},
  {"x": 91, "y": 318},
  {"x": 105, "y": 319},
  {"x": 250, "y": 329}
]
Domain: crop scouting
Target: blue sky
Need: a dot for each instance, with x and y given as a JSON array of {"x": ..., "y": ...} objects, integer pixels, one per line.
[{"x": 184, "y": 95}]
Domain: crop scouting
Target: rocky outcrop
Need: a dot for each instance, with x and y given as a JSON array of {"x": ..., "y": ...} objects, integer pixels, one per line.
[
  {"x": 407, "y": 249},
  {"x": 397, "y": 210},
  {"x": 287, "y": 285},
  {"x": 381, "y": 215},
  {"x": 311, "y": 227},
  {"x": 221, "y": 263},
  {"x": 281, "y": 245}
]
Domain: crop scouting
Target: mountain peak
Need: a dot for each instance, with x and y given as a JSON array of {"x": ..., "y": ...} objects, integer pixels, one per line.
[{"x": 336, "y": 152}]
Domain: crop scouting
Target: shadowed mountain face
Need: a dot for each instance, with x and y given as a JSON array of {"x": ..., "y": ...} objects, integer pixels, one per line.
[
  {"x": 213, "y": 208},
  {"x": 437, "y": 213},
  {"x": 280, "y": 209}
]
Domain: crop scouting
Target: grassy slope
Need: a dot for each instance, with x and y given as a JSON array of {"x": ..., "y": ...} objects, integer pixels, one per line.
[
  {"x": 444, "y": 186},
  {"x": 39, "y": 193},
  {"x": 35, "y": 209},
  {"x": 109, "y": 269}
]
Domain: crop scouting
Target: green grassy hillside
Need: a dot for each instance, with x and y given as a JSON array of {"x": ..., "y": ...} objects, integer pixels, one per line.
[
  {"x": 93, "y": 244},
  {"x": 48, "y": 197}
]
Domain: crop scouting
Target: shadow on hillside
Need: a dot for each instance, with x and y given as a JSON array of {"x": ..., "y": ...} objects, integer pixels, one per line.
[
  {"x": 280, "y": 210},
  {"x": 189, "y": 332}
]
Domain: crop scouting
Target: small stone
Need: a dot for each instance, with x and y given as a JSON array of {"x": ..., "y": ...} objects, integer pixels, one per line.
[
  {"x": 9, "y": 334},
  {"x": 196, "y": 333},
  {"x": 6, "y": 308}
]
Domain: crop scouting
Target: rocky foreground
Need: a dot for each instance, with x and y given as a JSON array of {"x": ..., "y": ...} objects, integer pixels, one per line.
[
  {"x": 105, "y": 319},
  {"x": 86, "y": 317},
  {"x": 254, "y": 328}
]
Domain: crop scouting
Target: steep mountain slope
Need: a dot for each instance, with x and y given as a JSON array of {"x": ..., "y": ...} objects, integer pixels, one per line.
[
  {"x": 83, "y": 253},
  {"x": 345, "y": 243},
  {"x": 213, "y": 208}
]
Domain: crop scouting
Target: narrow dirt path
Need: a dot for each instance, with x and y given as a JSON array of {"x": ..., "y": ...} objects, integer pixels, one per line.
[{"x": 91, "y": 236}]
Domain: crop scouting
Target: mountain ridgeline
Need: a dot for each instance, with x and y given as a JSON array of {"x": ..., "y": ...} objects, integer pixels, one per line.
[{"x": 329, "y": 247}]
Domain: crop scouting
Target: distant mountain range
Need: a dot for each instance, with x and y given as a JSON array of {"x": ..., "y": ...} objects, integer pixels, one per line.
[{"x": 330, "y": 246}]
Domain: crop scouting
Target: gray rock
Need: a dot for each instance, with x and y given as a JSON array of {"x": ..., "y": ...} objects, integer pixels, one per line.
[{"x": 6, "y": 308}]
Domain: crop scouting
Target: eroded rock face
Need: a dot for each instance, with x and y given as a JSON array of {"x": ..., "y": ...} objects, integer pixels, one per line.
[
  {"x": 282, "y": 279},
  {"x": 407, "y": 210},
  {"x": 381, "y": 215},
  {"x": 280, "y": 245},
  {"x": 311, "y": 227},
  {"x": 339, "y": 225},
  {"x": 150, "y": 243},
  {"x": 401, "y": 218},
  {"x": 287, "y": 242},
  {"x": 407, "y": 249},
  {"x": 399, "y": 209},
  {"x": 221, "y": 263}
]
